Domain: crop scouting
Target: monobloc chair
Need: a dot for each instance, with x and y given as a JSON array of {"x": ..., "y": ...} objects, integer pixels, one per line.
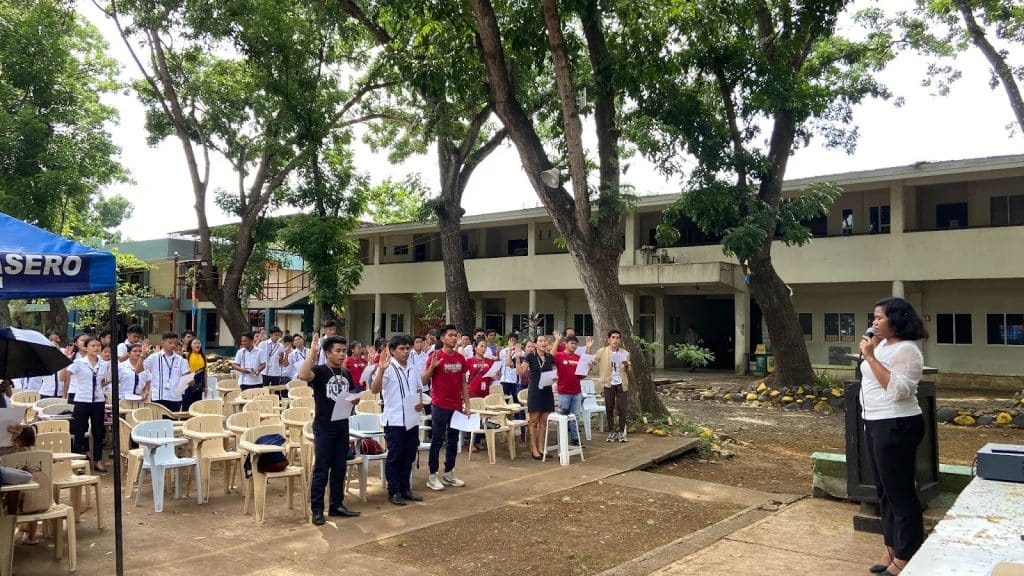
[
  {"x": 44, "y": 402},
  {"x": 204, "y": 407},
  {"x": 56, "y": 513},
  {"x": 156, "y": 438},
  {"x": 208, "y": 435},
  {"x": 44, "y": 426},
  {"x": 490, "y": 427},
  {"x": 259, "y": 480},
  {"x": 26, "y": 398},
  {"x": 64, "y": 477},
  {"x": 368, "y": 423},
  {"x": 130, "y": 457},
  {"x": 302, "y": 402}
]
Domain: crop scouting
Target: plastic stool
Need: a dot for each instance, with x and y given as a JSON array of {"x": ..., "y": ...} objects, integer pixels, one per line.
[{"x": 563, "y": 447}]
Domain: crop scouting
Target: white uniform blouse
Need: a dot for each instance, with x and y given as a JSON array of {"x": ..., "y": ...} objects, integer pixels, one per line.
[
  {"x": 131, "y": 382},
  {"x": 272, "y": 351},
  {"x": 165, "y": 371},
  {"x": 87, "y": 380},
  {"x": 905, "y": 363}
]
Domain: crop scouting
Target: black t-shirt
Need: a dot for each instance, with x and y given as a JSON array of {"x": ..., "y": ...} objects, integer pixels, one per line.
[
  {"x": 328, "y": 384},
  {"x": 536, "y": 366}
]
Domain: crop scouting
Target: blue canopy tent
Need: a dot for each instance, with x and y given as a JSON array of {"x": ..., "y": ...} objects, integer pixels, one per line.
[{"x": 35, "y": 263}]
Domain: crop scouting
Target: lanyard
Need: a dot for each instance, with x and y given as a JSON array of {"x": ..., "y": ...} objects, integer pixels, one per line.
[
  {"x": 341, "y": 382},
  {"x": 301, "y": 354},
  {"x": 160, "y": 369},
  {"x": 95, "y": 379}
]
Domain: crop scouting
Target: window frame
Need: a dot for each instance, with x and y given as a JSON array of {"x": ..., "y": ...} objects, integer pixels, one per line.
[
  {"x": 839, "y": 318},
  {"x": 954, "y": 318}
]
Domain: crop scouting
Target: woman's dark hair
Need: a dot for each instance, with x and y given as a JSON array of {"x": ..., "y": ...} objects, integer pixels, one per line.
[{"x": 905, "y": 323}]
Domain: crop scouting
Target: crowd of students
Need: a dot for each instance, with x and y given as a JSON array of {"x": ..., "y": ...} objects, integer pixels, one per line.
[{"x": 438, "y": 373}]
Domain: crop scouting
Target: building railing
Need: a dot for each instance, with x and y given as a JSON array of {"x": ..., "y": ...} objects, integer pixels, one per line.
[{"x": 271, "y": 291}]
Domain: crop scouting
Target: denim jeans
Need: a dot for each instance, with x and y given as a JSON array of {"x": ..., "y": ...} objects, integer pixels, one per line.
[{"x": 573, "y": 403}]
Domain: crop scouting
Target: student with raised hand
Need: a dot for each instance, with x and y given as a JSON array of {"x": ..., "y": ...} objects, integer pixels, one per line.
[
  {"x": 250, "y": 361},
  {"x": 298, "y": 354},
  {"x": 356, "y": 363},
  {"x": 330, "y": 382},
  {"x": 570, "y": 391},
  {"x": 509, "y": 358},
  {"x": 288, "y": 370},
  {"x": 166, "y": 368},
  {"x": 134, "y": 336},
  {"x": 449, "y": 393},
  {"x": 613, "y": 380},
  {"x": 479, "y": 384},
  {"x": 396, "y": 381},
  {"x": 86, "y": 377}
]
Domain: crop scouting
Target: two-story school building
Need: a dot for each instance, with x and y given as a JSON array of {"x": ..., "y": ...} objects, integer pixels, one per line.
[{"x": 948, "y": 236}]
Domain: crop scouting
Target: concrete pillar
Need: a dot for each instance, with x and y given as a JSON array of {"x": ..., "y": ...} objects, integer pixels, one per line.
[
  {"x": 629, "y": 254},
  {"x": 376, "y": 316},
  {"x": 269, "y": 319},
  {"x": 897, "y": 218},
  {"x": 478, "y": 311},
  {"x": 531, "y": 239},
  {"x": 481, "y": 244},
  {"x": 659, "y": 328},
  {"x": 741, "y": 340},
  {"x": 533, "y": 301},
  {"x": 631, "y": 307},
  {"x": 375, "y": 245},
  {"x": 898, "y": 290}
]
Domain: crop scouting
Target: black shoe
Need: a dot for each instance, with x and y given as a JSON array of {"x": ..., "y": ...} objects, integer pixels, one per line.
[
  {"x": 412, "y": 497},
  {"x": 878, "y": 568},
  {"x": 318, "y": 519},
  {"x": 396, "y": 499},
  {"x": 575, "y": 442},
  {"x": 342, "y": 511}
]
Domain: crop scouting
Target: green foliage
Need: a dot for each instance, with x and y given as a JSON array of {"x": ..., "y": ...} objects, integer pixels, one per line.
[
  {"x": 394, "y": 202},
  {"x": 94, "y": 309},
  {"x": 431, "y": 312},
  {"x": 649, "y": 349},
  {"x": 737, "y": 86},
  {"x": 55, "y": 151},
  {"x": 691, "y": 355}
]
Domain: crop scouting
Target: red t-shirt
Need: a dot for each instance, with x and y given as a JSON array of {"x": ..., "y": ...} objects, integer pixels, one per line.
[
  {"x": 355, "y": 367},
  {"x": 479, "y": 386},
  {"x": 560, "y": 347},
  {"x": 568, "y": 381},
  {"x": 446, "y": 381}
]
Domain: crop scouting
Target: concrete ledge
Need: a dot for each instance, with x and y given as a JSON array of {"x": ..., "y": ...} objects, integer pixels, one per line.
[{"x": 829, "y": 478}]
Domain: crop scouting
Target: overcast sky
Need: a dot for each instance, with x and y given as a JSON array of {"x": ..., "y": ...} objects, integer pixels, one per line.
[{"x": 970, "y": 122}]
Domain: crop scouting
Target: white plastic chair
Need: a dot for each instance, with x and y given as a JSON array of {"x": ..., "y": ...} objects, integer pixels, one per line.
[
  {"x": 156, "y": 438},
  {"x": 44, "y": 402},
  {"x": 257, "y": 483},
  {"x": 368, "y": 423},
  {"x": 590, "y": 407}
]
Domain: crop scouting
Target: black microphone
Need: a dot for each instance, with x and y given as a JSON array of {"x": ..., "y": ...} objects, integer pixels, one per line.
[{"x": 870, "y": 332}]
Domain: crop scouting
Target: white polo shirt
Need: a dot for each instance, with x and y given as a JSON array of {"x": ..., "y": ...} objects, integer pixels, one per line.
[
  {"x": 165, "y": 371},
  {"x": 87, "y": 380},
  {"x": 129, "y": 381},
  {"x": 400, "y": 389},
  {"x": 251, "y": 360},
  {"x": 272, "y": 352}
]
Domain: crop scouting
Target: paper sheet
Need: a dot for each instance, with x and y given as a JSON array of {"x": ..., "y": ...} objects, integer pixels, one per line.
[
  {"x": 583, "y": 368},
  {"x": 186, "y": 379},
  {"x": 547, "y": 379},
  {"x": 9, "y": 417},
  {"x": 364, "y": 378},
  {"x": 493, "y": 370},
  {"x": 620, "y": 357},
  {"x": 130, "y": 396},
  {"x": 343, "y": 407},
  {"x": 412, "y": 415},
  {"x": 465, "y": 423}
]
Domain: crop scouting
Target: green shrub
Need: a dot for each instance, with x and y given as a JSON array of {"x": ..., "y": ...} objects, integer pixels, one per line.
[{"x": 691, "y": 355}]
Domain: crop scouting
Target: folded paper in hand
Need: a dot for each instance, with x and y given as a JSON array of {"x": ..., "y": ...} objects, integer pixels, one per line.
[
  {"x": 465, "y": 423},
  {"x": 493, "y": 370},
  {"x": 583, "y": 367},
  {"x": 547, "y": 379},
  {"x": 186, "y": 379},
  {"x": 343, "y": 407}
]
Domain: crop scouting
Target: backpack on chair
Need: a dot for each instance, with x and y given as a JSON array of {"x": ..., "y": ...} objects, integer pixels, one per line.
[{"x": 273, "y": 462}]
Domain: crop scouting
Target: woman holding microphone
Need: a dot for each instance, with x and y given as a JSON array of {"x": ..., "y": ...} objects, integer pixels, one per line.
[{"x": 890, "y": 370}]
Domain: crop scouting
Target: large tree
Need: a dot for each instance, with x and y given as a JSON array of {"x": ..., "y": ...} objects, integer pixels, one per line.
[
  {"x": 590, "y": 219},
  {"x": 944, "y": 28},
  {"x": 435, "y": 72},
  {"x": 55, "y": 152},
  {"x": 264, "y": 85},
  {"x": 740, "y": 85}
]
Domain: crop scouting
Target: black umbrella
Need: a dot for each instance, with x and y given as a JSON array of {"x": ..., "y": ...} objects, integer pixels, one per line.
[{"x": 27, "y": 353}]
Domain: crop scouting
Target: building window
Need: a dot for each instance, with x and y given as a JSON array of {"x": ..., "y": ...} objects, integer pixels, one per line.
[
  {"x": 401, "y": 249},
  {"x": 847, "y": 222},
  {"x": 953, "y": 329},
  {"x": 583, "y": 324},
  {"x": 521, "y": 323},
  {"x": 878, "y": 220},
  {"x": 840, "y": 327},
  {"x": 1007, "y": 329},
  {"x": 806, "y": 325},
  {"x": 1007, "y": 210},
  {"x": 951, "y": 215},
  {"x": 675, "y": 325},
  {"x": 398, "y": 323}
]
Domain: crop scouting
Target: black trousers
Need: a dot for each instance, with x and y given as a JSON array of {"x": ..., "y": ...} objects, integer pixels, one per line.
[
  {"x": 440, "y": 433},
  {"x": 402, "y": 448},
  {"x": 195, "y": 392},
  {"x": 330, "y": 448},
  {"x": 893, "y": 444},
  {"x": 172, "y": 405},
  {"x": 84, "y": 414}
]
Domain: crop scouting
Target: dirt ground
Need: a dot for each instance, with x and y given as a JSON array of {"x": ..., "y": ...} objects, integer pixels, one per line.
[
  {"x": 774, "y": 446},
  {"x": 583, "y": 531}
]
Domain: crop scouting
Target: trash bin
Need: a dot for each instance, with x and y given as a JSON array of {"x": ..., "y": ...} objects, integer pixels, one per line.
[{"x": 761, "y": 359}]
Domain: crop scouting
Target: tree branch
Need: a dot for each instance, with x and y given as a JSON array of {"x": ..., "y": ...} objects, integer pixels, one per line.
[
  {"x": 352, "y": 9},
  {"x": 604, "y": 107},
  {"x": 473, "y": 132},
  {"x": 478, "y": 155},
  {"x": 995, "y": 59},
  {"x": 734, "y": 130},
  {"x": 570, "y": 116}
]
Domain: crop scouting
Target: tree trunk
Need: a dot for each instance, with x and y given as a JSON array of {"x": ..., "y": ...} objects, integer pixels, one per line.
[
  {"x": 57, "y": 317},
  {"x": 5, "y": 314},
  {"x": 792, "y": 363},
  {"x": 460, "y": 312}
]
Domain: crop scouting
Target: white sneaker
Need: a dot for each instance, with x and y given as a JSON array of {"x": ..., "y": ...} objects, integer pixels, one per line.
[
  {"x": 610, "y": 438},
  {"x": 622, "y": 437},
  {"x": 449, "y": 479},
  {"x": 433, "y": 483}
]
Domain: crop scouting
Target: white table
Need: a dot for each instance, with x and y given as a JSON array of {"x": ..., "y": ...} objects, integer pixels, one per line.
[{"x": 984, "y": 527}]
